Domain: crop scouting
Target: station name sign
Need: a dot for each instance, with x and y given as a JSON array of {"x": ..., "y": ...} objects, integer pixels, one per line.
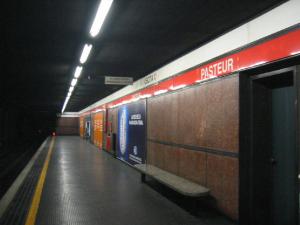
[
  {"x": 118, "y": 80},
  {"x": 150, "y": 78},
  {"x": 217, "y": 69}
]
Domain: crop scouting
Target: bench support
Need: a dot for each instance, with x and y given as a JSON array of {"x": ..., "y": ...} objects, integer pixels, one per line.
[
  {"x": 143, "y": 177},
  {"x": 179, "y": 184}
]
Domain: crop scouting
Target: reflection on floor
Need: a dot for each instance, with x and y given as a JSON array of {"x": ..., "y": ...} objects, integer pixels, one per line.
[{"x": 88, "y": 186}]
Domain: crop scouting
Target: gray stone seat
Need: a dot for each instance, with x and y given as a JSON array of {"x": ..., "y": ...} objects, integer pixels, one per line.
[{"x": 179, "y": 184}]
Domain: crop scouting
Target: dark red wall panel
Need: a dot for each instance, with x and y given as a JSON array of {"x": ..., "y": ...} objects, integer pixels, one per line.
[
  {"x": 205, "y": 116},
  {"x": 67, "y": 126},
  {"x": 194, "y": 133}
]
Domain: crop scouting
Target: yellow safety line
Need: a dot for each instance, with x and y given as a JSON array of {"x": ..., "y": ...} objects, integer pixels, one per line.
[{"x": 31, "y": 217}]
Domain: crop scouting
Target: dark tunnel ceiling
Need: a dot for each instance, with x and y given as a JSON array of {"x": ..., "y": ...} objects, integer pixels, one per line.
[{"x": 43, "y": 42}]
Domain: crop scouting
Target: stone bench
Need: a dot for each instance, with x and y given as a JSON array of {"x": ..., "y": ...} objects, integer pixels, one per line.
[{"x": 179, "y": 184}]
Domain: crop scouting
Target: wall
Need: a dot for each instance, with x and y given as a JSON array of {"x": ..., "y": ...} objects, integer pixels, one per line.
[
  {"x": 113, "y": 117},
  {"x": 93, "y": 127},
  {"x": 111, "y": 128},
  {"x": 194, "y": 133},
  {"x": 67, "y": 126},
  {"x": 81, "y": 126}
]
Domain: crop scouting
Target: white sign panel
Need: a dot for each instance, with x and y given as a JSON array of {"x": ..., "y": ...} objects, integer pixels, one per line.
[{"x": 118, "y": 80}]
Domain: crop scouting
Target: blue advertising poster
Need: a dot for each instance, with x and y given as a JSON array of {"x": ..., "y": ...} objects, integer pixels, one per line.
[{"x": 132, "y": 132}]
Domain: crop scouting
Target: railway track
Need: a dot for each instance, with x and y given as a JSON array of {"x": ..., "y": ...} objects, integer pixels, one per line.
[{"x": 12, "y": 163}]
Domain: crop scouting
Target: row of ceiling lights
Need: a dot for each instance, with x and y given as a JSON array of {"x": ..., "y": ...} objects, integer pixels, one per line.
[{"x": 102, "y": 11}]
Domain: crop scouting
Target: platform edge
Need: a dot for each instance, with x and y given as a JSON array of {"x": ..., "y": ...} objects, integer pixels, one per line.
[{"x": 11, "y": 192}]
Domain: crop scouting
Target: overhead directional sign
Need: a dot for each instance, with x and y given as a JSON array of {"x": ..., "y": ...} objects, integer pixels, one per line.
[{"x": 118, "y": 80}]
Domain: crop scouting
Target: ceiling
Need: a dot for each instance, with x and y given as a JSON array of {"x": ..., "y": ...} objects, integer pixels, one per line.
[{"x": 42, "y": 42}]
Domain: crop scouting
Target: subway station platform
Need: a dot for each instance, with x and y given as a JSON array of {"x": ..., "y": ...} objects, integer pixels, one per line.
[{"x": 72, "y": 182}]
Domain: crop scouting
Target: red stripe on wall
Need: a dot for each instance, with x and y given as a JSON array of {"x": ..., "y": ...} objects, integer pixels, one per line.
[{"x": 268, "y": 51}]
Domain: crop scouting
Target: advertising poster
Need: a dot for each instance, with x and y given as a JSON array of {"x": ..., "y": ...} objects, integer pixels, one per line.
[
  {"x": 81, "y": 126},
  {"x": 98, "y": 129},
  {"x": 132, "y": 133}
]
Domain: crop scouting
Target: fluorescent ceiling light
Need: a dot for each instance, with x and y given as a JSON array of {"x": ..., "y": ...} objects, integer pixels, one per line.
[
  {"x": 69, "y": 94},
  {"x": 64, "y": 107},
  {"x": 78, "y": 71},
  {"x": 74, "y": 82},
  {"x": 85, "y": 53},
  {"x": 66, "y": 101},
  {"x": 71, "y": 89},
  {"x": 100, "y": 16}
]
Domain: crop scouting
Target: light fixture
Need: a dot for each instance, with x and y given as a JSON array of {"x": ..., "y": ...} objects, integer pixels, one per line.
[
  {"x": 146, "y": 96},
  {"x": 85, "y": 53},
  {"x": 78, "y": 71},
  {"x": 135, "y": 99},
  {"x": 100, "y": 16},
  {"x": 173, "y": 88},
  {"x": 258, "y": 63},
  {"x": 160, "y": 92},
  {"x": 125, "y": 102},
  {"x": 74, "y": 82},
  {"x": 65, "y": 104},
  {"x": 295, "y": 53},
  {"x": 99, "y": 110}
]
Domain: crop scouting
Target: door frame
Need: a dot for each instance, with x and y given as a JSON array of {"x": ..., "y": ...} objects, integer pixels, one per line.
[{"x": 246, "y": 204}]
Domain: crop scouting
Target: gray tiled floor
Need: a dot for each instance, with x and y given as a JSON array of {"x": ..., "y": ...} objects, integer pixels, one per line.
[{"x": 87, "y": 186}]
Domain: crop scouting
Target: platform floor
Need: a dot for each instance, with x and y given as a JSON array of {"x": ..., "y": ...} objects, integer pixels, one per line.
[{"x": 86, "y": 186}]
